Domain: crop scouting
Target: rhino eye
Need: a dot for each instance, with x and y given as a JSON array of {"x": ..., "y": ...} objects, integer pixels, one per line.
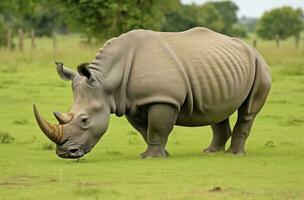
[
  {"x": 84, "y": 122},
  {"x": 92, "y": 83}
]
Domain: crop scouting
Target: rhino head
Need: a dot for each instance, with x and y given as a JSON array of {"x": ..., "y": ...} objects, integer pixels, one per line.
[{"x": 82, "y": 127}]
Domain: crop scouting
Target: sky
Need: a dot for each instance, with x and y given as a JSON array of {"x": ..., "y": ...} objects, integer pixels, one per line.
[{"x": 255, "y": 8}]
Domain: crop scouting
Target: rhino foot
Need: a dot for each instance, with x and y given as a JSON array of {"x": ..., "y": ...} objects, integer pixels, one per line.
[
  {"x": 239, "y": 152},
  {"x": 154, "y": 152},
  {"x": 212, "y": 149}
]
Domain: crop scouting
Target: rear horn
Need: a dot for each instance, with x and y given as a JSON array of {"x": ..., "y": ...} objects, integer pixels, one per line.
[{"x": 63, "y": 118}]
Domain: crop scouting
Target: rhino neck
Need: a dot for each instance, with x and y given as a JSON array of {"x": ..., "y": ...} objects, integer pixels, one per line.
[{"x": 112, "y": 66}]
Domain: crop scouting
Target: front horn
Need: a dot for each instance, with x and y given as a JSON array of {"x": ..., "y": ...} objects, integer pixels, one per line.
[{"x": 53, "y": 132}]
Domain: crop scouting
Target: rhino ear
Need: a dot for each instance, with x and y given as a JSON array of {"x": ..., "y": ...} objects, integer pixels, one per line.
[
  {"x": 64, "y": 72},
  {"x": 83, "y": 70}
]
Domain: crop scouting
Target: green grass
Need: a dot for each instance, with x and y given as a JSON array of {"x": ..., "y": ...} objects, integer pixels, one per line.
[{"x": 30, "y": 169}]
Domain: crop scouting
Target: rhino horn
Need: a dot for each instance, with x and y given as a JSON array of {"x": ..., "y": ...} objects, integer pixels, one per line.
[
  {"x": 63, "y": 118},
  {"x": 53, "y": 132}
]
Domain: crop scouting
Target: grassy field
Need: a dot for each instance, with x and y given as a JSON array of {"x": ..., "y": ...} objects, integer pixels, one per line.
[{"x": 30, "y": 169}]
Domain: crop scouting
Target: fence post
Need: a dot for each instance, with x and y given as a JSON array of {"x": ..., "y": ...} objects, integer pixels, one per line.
[
  {"x": 9, "y": 39},
  {"x": 254, "y": 43},
  {"x": 33, "y": 43},
  {"x": 54, "y": 40},
  {"x": 277, "y": 38},
  {"x": 21, "y": 37},
  {"x": 297, "y": 37}
]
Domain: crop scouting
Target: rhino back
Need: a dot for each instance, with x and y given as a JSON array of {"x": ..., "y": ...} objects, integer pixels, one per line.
[{"x": 206, "y": 75}]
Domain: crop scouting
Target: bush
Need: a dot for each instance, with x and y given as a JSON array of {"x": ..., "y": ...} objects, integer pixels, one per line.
[{"x": 6, "y": 138}]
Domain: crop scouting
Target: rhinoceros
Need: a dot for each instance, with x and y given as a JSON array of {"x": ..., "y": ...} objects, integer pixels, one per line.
[{"x": 161, "y": 79}]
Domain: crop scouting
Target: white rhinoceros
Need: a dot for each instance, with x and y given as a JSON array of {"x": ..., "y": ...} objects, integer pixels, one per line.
[{"x": 161, "y": 79}]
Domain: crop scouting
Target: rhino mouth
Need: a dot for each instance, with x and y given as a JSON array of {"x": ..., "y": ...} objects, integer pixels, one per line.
[{"x": 72, "y": 152}]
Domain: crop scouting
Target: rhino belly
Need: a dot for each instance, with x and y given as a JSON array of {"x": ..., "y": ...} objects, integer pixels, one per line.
[{"x": 210, "y": 116}]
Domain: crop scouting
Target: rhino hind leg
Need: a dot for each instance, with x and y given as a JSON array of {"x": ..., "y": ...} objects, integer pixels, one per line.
[
  {"x": 250, "y": 108},
  {"x": 221, "y": 133},
  {"x": 241, "y": 132},
  {"x": 161, "y": 120}
]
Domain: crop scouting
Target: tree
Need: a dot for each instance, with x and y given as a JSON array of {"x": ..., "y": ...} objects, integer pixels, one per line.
[
  {"x": 43, "y": 16},
  {"x": 14, "y": 12},
  {"x": 170, "y": 6},
  {"x": 177, "y": 21},
  {"x": 227, "y": 10},
  {"x": 218, "y": 16},
  {"x": 193, "y": 15},
  {"x": 46, "y": 18},
  {"x": 208, "y": 16},
  {"x": 107, "y": 18},
  {"x": 174, "y": 17},
  {"x": 280, "y": 22},
  {"x": 8, "y": 17}
]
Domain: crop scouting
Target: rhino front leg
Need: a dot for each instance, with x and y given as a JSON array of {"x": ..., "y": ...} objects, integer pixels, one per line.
[
  {"x": 140, "y": 123},
  {"x": 221, "y": 133},
  {"x": 161, "y": 120}
]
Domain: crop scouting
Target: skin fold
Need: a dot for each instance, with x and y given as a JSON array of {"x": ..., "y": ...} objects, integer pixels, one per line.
[{"x": 158, "y": 80}]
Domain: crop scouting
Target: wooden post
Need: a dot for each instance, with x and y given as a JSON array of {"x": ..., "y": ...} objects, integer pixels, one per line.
[
  {"x": 54, "y": 40},
  {"x": 277, "y": 38},
  {"x": 254, "y": 43},
  {"x": 33, "y": 43},
  {"x": 21, "y": 39},
  {"x": 297, "y": 37},
  {"x": 9, "y": 39}
]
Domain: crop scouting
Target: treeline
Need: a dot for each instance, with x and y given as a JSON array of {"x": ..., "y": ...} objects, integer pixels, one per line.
[
  {"x": 42, "y": 16},
  {"x": 102, "y": 19}
]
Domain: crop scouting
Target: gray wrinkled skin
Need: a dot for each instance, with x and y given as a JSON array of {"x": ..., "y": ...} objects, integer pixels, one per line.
[
  {"x": 90, "y": 112},
  {"x": 158, "y": 80}
]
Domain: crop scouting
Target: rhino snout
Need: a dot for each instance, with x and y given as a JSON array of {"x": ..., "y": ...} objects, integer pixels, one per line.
[{"x": 70, "y": 152}]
